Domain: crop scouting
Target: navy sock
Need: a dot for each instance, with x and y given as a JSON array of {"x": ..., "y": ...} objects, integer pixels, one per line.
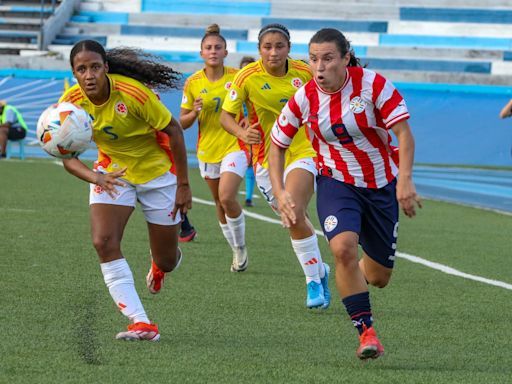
[
  {"x": 359, "y": 310},
  {"x": 185, "y": 224}
]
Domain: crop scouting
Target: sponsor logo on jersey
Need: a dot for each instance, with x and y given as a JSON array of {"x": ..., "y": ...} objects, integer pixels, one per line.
[
  {"x": 233, "y": 95},
  {"x": 227, "y": 85},
  {"x": 204, "y": 90},
  {"x": 330, "y": 223},
  {"x": 265, "y": 86},
  {"x": 296, "y": 82},
  {"x": 357, "y": 105},
  {"x": 184, "y": 100},
  {"x": 121, "y": 109},
  {"x": 283, "y": 120}
]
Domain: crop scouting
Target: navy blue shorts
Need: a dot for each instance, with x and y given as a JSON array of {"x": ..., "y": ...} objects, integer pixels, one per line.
[{"x": 371, "y": 213}]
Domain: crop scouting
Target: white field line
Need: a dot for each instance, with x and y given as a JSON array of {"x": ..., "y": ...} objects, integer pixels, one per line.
[{"x": 415, "y": 259}]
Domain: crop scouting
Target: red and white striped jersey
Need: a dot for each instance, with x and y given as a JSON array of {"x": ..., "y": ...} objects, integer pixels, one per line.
[{"x": 348, "y": 128}]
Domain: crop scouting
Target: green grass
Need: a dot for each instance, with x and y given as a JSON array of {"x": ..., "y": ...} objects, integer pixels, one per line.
[{"x": 59, "y": 321}]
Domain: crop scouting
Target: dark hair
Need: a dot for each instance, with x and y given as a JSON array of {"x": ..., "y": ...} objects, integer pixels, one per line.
[
  {"x": 213, "y": 30},
  {"x": 134, "y": 63},
  {"x": 279, "y": 28},
  {"x": 331, "y": 35},
  {"x": 246, "y": 60}
]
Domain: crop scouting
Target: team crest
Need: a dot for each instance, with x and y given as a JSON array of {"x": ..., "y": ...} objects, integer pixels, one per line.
[
  {"x": 121, "y": 109},
  {"x": 184, "y": 99},
  {"x": 330, "y": 223},
  {"x": 283, "y": 120},
  {"x": 357, "y": 105},
  {"x": 227, "y": 85},
  {"x": 233, "y": 95},
  {"x": 296, "y": 82}
]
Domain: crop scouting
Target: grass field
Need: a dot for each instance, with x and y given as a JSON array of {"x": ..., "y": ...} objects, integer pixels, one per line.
[{"x": 59, "y": 321}]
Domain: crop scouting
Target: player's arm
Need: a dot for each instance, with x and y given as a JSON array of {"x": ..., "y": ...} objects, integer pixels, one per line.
[
  {"x": 405, "y": 189},
  {"x": 507, "y": 110},
  {"x": 250, "y": 135},
  {"x": 107, "y": 181},
  {"x": 183, "y": 193},
  {"x": 188, "y": 116}
]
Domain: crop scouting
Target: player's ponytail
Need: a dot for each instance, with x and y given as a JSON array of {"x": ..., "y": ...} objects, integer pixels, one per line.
[{"x": 331, "y": 35}]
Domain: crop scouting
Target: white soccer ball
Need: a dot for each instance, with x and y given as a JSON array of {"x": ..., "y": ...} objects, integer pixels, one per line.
[{"x": 64, "y": 130}]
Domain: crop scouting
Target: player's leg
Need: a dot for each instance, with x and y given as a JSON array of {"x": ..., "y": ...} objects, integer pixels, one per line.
[
  {"x": 249, "y": 186},
  {"x": 300, "y": 183},
  {"x": 4, "y": 131},
  {"x": 108, "y": 220},
  {"x": 187, "y": 231},
  {"x": 233, "y": 167},
  {"x": 340, "y": 211}
]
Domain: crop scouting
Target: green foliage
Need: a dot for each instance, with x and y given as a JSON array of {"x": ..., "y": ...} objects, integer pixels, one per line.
[{"x": 59, "y": 321}]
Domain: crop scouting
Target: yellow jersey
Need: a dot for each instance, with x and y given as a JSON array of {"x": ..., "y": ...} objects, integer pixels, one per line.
[
  {"x": 124, "y": 128},
  {"x": 213, "y": 142},
  {"x": 265, "y": 95}
]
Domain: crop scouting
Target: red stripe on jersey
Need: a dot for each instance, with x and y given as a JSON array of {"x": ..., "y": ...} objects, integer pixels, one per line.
[
  {"x": 244, "y": 75},
  {"x": 292, "y": 104},
  {"x": 128, "y": 92},
  {"x": 362, "y": 157},
  {"x": 378, "y": 86},
  {"x": 143, "y": 95},
  {"x": 335, "y": 114},
  {"x": 277, "y": 142},
  {"x": 390, "y": 105}
]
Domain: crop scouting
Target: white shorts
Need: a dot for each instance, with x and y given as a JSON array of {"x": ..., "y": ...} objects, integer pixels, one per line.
[
  {"x": 235, "y": 162},
  {"x": 263, "y": 178},
  {"x": 156, "y": 197}
]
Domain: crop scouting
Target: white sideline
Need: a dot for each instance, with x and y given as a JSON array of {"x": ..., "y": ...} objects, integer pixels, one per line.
[{"x": 415, "y": 259}]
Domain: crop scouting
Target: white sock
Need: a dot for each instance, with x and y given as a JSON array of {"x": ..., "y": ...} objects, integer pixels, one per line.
[
  {"x": 226, "y": 231},
  {"x": 308, "y": 253},
  {"x": 119, "y": 280},
  {"x": 237, "y": 226}
]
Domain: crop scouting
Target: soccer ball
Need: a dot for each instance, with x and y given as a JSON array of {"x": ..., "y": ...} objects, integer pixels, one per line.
[{"x": 64, "y": 130}]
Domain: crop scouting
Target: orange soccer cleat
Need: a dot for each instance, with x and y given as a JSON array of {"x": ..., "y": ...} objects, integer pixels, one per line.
[
  {"x": 369, "y": 345},
  {"x": 140, "y": 331},
  {"x": 155, "y": 278}
]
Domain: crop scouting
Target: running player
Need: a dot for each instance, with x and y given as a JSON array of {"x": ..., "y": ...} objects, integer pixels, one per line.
[
  {"x": 348, "y": 112},
  {"x": 114, "y": 87},
  {"x": 265, "y": 86},
  {"x": 222, "y": 158}
]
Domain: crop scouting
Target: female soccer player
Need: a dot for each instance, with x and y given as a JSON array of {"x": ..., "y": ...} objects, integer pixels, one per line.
[
  {"x": 348, "y": 111},
  {"x": 265, "y": 86},
  {"x": 222, "y": 158},
  {"x": 114, "y": 87}
]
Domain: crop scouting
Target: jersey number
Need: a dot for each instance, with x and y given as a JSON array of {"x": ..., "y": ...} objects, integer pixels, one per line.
[
  {"x": 108, "y": 131},
  {"x": 340, "y": 131},
  {"x": 217, "y": 99}
]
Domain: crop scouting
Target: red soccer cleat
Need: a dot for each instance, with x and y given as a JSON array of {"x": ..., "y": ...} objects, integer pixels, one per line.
[
  {"x": 155, "y": 278},
  {"x": 139, "y": 332},
  {"x": 369, "y": 345}
]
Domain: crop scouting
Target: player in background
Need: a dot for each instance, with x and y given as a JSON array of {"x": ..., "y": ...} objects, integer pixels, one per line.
[
  {"x": 265, "y": 86},
  {"x": 115, "y": 88},
  {"x": 348, "y": 112},
  {"x": 507, "y": 110},
  {"x": 222, "y": 158},
  {"x": 249, "y": 174}
]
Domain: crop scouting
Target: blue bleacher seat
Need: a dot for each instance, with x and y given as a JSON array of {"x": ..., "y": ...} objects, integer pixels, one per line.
[
  {"x": 456, "y": 15},
  {"x": 316, "y": 24},
  {"x": 21, "y": 148},
  {"x": 216, "y": 7},
  {"x": 155, "y": 30}
]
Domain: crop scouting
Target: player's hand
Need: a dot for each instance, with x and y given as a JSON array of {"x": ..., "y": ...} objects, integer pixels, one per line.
[
  {"x": 407, "y": 197},
  {"x": 286, "y": 205},
  {"x": 252, "y": 135},
  {"x": 108, "y": 181},
  {"x": 198, "y": 105},
  {"x": 183, "y": 200}
]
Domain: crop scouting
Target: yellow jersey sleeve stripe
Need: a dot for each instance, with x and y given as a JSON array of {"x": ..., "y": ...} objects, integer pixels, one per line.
[
  {"x": 133, "y": 88},
  {"x": 244, "y": 75},
  {"x": 131, "y": 93}
]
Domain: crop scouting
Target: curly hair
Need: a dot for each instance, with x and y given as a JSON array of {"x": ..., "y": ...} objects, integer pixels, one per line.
[{"x": 134, "y": 63}]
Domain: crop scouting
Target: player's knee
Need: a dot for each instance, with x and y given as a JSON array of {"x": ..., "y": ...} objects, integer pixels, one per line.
[
  {"x": 105, "y": 245},
  {"x": 379, "y": 282},
  {"x": 345, "y": 255}
]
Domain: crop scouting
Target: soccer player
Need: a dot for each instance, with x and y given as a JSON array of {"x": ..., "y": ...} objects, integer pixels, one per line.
[
  {"x": 348, "y": 112},
  {"x": 265, "y": 86},
  {"x": 115, "y": 88},
  {"x": 12, "y": 126},
  {"x": 507, "y": 110},
  {"x": 222, "y": 158}
]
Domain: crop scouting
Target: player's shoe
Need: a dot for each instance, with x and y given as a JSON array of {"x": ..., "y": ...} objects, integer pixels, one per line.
[
  {"x": 240, "y": 259},
  {"x": 315, "y": 295},
  {"x": 325, "y": 286},
  {"x": 186, "y": 236},
  {"x": 369, "y": 345},
  {"x": 139, "y": 332},
  {"x": 155, "y": 278}
]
